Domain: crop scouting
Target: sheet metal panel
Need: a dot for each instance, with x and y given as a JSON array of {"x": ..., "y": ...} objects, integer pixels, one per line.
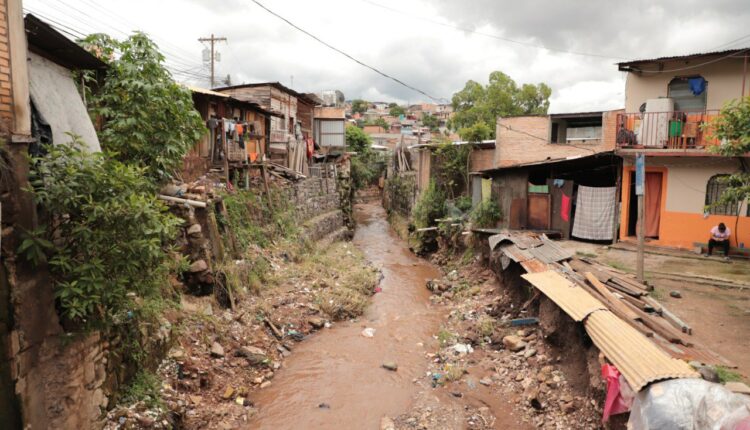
[
  {"x": 572, "y": 299},
  {"x": 638, "y": 359},
  {"x": 516, "y": 254},
  {"x": 550, "y": 252}
]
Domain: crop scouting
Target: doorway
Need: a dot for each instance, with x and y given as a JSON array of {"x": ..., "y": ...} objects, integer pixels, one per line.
[{"x": 652, "y": 208}]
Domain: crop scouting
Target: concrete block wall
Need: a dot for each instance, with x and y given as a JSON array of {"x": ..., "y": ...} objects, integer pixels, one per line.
[{"x": 318, "y": 206}]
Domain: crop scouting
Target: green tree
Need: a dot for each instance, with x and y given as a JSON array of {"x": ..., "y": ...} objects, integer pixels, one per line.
[
  {"x": 430, "y": 121},
  {"x": 357, "y": 140},
  {"x": 360, "y": 106},
  {"x": 397, "y": 110},
  {"x": 500, "y": 97},
  {"x": 380, "y": 122},
  {"x": 148, "y": 119},
  {"x": 732, "y": 129},
  {"x": 476, "y": 133}
]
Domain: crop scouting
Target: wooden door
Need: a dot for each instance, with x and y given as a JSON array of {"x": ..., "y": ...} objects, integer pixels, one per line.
[{"x": 538, "y": 211}]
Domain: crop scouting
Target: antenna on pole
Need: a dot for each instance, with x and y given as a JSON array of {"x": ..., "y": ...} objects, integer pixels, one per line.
[{"x": 214, "y": 56}]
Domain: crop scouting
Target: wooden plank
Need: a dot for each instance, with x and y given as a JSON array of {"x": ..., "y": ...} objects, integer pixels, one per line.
[
  {"x": 583, "y": 267},
  {"x": 662, "y": 329},
  {"x": 640, "y": 304},
  {"x": 610, "y": 298},
  {"x": 517, "y": 219},
  {"x": 626, "y": 287},
  {"x": 624, "y": 290},
  {"x": 669, "y": 316}
]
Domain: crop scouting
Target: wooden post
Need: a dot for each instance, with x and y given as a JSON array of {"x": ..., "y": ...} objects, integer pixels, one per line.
[
  {"x": 225, "y": 145},
  {"x": 618, "y": 197},
  {"x": 641, "y": 240},
  {"x": 265, "y": 186}
]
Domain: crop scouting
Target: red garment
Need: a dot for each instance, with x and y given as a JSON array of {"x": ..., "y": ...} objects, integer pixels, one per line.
[
  {"x": 565, "y": 208},
  {"x": 238, "y": 128},
  {"x": 310, "y": 148},
  {"x": 614, "y": 403}
]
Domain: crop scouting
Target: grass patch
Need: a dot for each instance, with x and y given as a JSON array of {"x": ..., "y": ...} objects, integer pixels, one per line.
[
  {"x": 657, "y": 293},
  {"x": 727, "y": 375},
  {"x": 445, "y": 337},
  {"x": 485, "y": 326},
  {"x": 453, "y": 372},
  {"x": 586, "y": 254},
  {"x": 145, "y": 388},
  {"x": 617, "y": 265}
]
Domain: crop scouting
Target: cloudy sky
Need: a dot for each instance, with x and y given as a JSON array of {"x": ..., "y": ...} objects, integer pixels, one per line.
[{"x": 435, "y": 46}]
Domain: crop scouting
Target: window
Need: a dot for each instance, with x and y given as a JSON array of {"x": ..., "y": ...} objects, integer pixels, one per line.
[
  {"x": 714, "y": 189},
  {"x": 684, "y": 94}
]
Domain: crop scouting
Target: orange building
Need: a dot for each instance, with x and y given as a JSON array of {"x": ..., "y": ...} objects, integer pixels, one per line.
[{"x": 669, "y": 101}]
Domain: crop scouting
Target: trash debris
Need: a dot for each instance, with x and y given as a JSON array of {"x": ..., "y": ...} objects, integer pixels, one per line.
[
  {"x": 462, "y": 348},
  {"x": 523, "y": 321},
  {"x": 368, "y": 332},
  {"x": 390, "y": 365},
  {"x": 324, "y": 406}
]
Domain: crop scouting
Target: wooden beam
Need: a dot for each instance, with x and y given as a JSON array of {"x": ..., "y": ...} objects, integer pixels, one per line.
[{"x": 610, "y": 298}]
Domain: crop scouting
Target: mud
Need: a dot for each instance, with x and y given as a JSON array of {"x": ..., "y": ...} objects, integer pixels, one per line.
[{"x": 336, "y": 379}]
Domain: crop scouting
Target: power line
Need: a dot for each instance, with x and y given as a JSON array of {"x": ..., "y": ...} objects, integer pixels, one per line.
[
  {"x": 545, "y": 140},
  {"x": 398, "y": 81},
  {"x": 493, "y": 36}
]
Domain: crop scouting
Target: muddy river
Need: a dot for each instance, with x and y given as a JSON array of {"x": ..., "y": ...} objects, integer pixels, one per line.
[{"x": 335, "y": 379}]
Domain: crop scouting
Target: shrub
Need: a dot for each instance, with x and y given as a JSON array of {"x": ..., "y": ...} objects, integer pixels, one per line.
[
  {"x": 430, "y": 206},
  {"x": 105, "y": 236},
  {"x": 486, "y": 214}
]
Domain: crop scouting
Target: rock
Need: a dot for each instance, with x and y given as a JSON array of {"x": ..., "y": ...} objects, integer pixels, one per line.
[
  {"x": 387, "y": 424},
  {"x": 514, "y": 343},
  {"x": 198, "y": 266},
  {"x": 194, "y": 230},
  {"x": 228, "y": 393},
  {"x": 324, "y": 406},
  {"x": 520, "y": 377},
  {"x": 676, "y": 294},
  {"x": 145, "y": 422},
  {"x": 568, "y": 407},
  {"x": 368, "y": 332},
  {"x": 709, "y": 374},
  {"x": 529, "y": 353},
  {"x": 316, "y": 323},
  {"x": 265, "y": 384},
  {"x": 486, "y": 382},
  {"x": 453, "y": 275},
  {"x": 390, "y": 365},
  {"x": 217, "y": 350},
  {"x": 254, "y": 355}
]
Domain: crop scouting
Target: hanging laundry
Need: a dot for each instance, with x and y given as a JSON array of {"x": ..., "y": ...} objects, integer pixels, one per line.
[
  {"x": 310, "y": 148},
  {"x": 559, "y": 183},
  {"x": 565, "y": 208},
  {"x": 697, "y": 85},
  {"x": 595, "y": 212},
  {"x": 238, "y": 128},
  {"x": 213, "y": 123}
]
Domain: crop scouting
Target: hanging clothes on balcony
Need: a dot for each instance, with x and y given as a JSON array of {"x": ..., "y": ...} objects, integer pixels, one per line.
[{"x": 697, "y": 85}]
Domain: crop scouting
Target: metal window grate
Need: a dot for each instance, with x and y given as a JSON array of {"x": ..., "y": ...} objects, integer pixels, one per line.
[{"x": 714, "y": 189}]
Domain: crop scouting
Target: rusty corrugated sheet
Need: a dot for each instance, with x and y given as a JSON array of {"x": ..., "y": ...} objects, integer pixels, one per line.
[
  {"x": 515, "y": 253},
  {"x": 534, "y": 266},
  {"x": 550, "y": 252},
  {"x": 574, "y": 300},
  {"x": 638, "y": 359}
]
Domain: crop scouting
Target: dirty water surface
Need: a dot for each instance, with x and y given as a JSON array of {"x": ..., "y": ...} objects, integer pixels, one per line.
[{"x": 335, "y": 379}]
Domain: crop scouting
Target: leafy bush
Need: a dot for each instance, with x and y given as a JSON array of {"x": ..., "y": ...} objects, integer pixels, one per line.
[
  {"x": 429, "y": 207},
  {"x": 463, "y": 203},
  {"x": 148, "y": 119},
  {"x": 486, "y": 214},
  {"x": 252, "y": 221},
  {"x": 357, "y": 140},
  {"x": 453, "y": 167},
  {"x": 105, "y": 235}
]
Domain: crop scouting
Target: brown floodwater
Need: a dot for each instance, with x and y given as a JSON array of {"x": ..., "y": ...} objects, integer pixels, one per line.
[{"x": 341, "y": 368}]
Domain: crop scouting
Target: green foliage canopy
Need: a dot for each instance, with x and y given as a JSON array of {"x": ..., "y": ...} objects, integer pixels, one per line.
[
  {"x": 106, "y": 234},
  {"x": 148, "y": 119},
  {"x": 430, "y": 121},
  {"x": 500, "y": 97},
  {"x": 357, "y": 140},
  {"x": 360, "y": 106},
  {"x": 476, "y": 133},
  {"x": 732, "y": 128},
  {"x": 397, "y": 111}
]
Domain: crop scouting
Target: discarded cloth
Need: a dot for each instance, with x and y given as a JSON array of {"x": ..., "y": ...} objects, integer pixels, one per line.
[
  {"x": 565, "y": 208},
  {"x": 595, "y": 213},
  {"x": 697, "y": 85},
  {"x": 619, "y": 394}
]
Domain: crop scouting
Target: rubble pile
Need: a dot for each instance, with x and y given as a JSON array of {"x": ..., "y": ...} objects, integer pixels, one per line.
[{"x": 483, "y": 354}]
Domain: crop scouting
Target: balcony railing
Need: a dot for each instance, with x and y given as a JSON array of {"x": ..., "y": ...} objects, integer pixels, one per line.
[{"x": 666, "y": 130}]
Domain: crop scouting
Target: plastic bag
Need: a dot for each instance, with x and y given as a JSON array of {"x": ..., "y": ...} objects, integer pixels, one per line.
[{"x": 689, "y": 404}]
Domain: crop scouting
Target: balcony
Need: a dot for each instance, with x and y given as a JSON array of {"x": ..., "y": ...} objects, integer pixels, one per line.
[{"x": 675, "y": 131}]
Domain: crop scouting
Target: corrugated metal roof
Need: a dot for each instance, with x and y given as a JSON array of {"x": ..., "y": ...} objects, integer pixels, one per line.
[
  {"x": 572, "y": 299},
  {"x": 638, "y": 359},
  {"x": 515, "y": 253},
  {"x": 550, "y": 252},
  {"x": 207, "y": 92},
  {"x": 626, "y": 64}
]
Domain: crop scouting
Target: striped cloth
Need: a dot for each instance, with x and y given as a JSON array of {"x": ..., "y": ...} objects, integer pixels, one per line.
[{"x": 595, "y": 213}]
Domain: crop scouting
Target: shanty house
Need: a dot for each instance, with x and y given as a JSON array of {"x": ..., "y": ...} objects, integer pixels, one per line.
[
  {"x": 669, "y": 103},
  {"x": 549, "y": 172},
  {"x": 244, "y": 147}
]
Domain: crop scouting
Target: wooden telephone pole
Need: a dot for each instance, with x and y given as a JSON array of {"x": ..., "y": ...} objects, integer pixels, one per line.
[{"x": 212, "y": 40}]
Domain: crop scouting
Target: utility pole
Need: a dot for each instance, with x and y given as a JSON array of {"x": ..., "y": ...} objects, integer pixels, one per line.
[
  {"x": 640, "y": 188},
  {"x": 212, "y": 40}
]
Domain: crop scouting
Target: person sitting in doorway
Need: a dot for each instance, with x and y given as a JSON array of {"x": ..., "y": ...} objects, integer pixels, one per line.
[{"x": 719, "y": 238}]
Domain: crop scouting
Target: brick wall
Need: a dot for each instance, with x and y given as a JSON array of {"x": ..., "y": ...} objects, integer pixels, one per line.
[
  {"x": 482, "y": 159},
  {"x": 6, "y": 94},
  {"x": 524, "y": 139}
]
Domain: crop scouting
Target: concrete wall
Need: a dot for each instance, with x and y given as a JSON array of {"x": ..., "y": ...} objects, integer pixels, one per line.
[
  {"x": 724, "y": 82},
  {"x": 684, "y": 183}
]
